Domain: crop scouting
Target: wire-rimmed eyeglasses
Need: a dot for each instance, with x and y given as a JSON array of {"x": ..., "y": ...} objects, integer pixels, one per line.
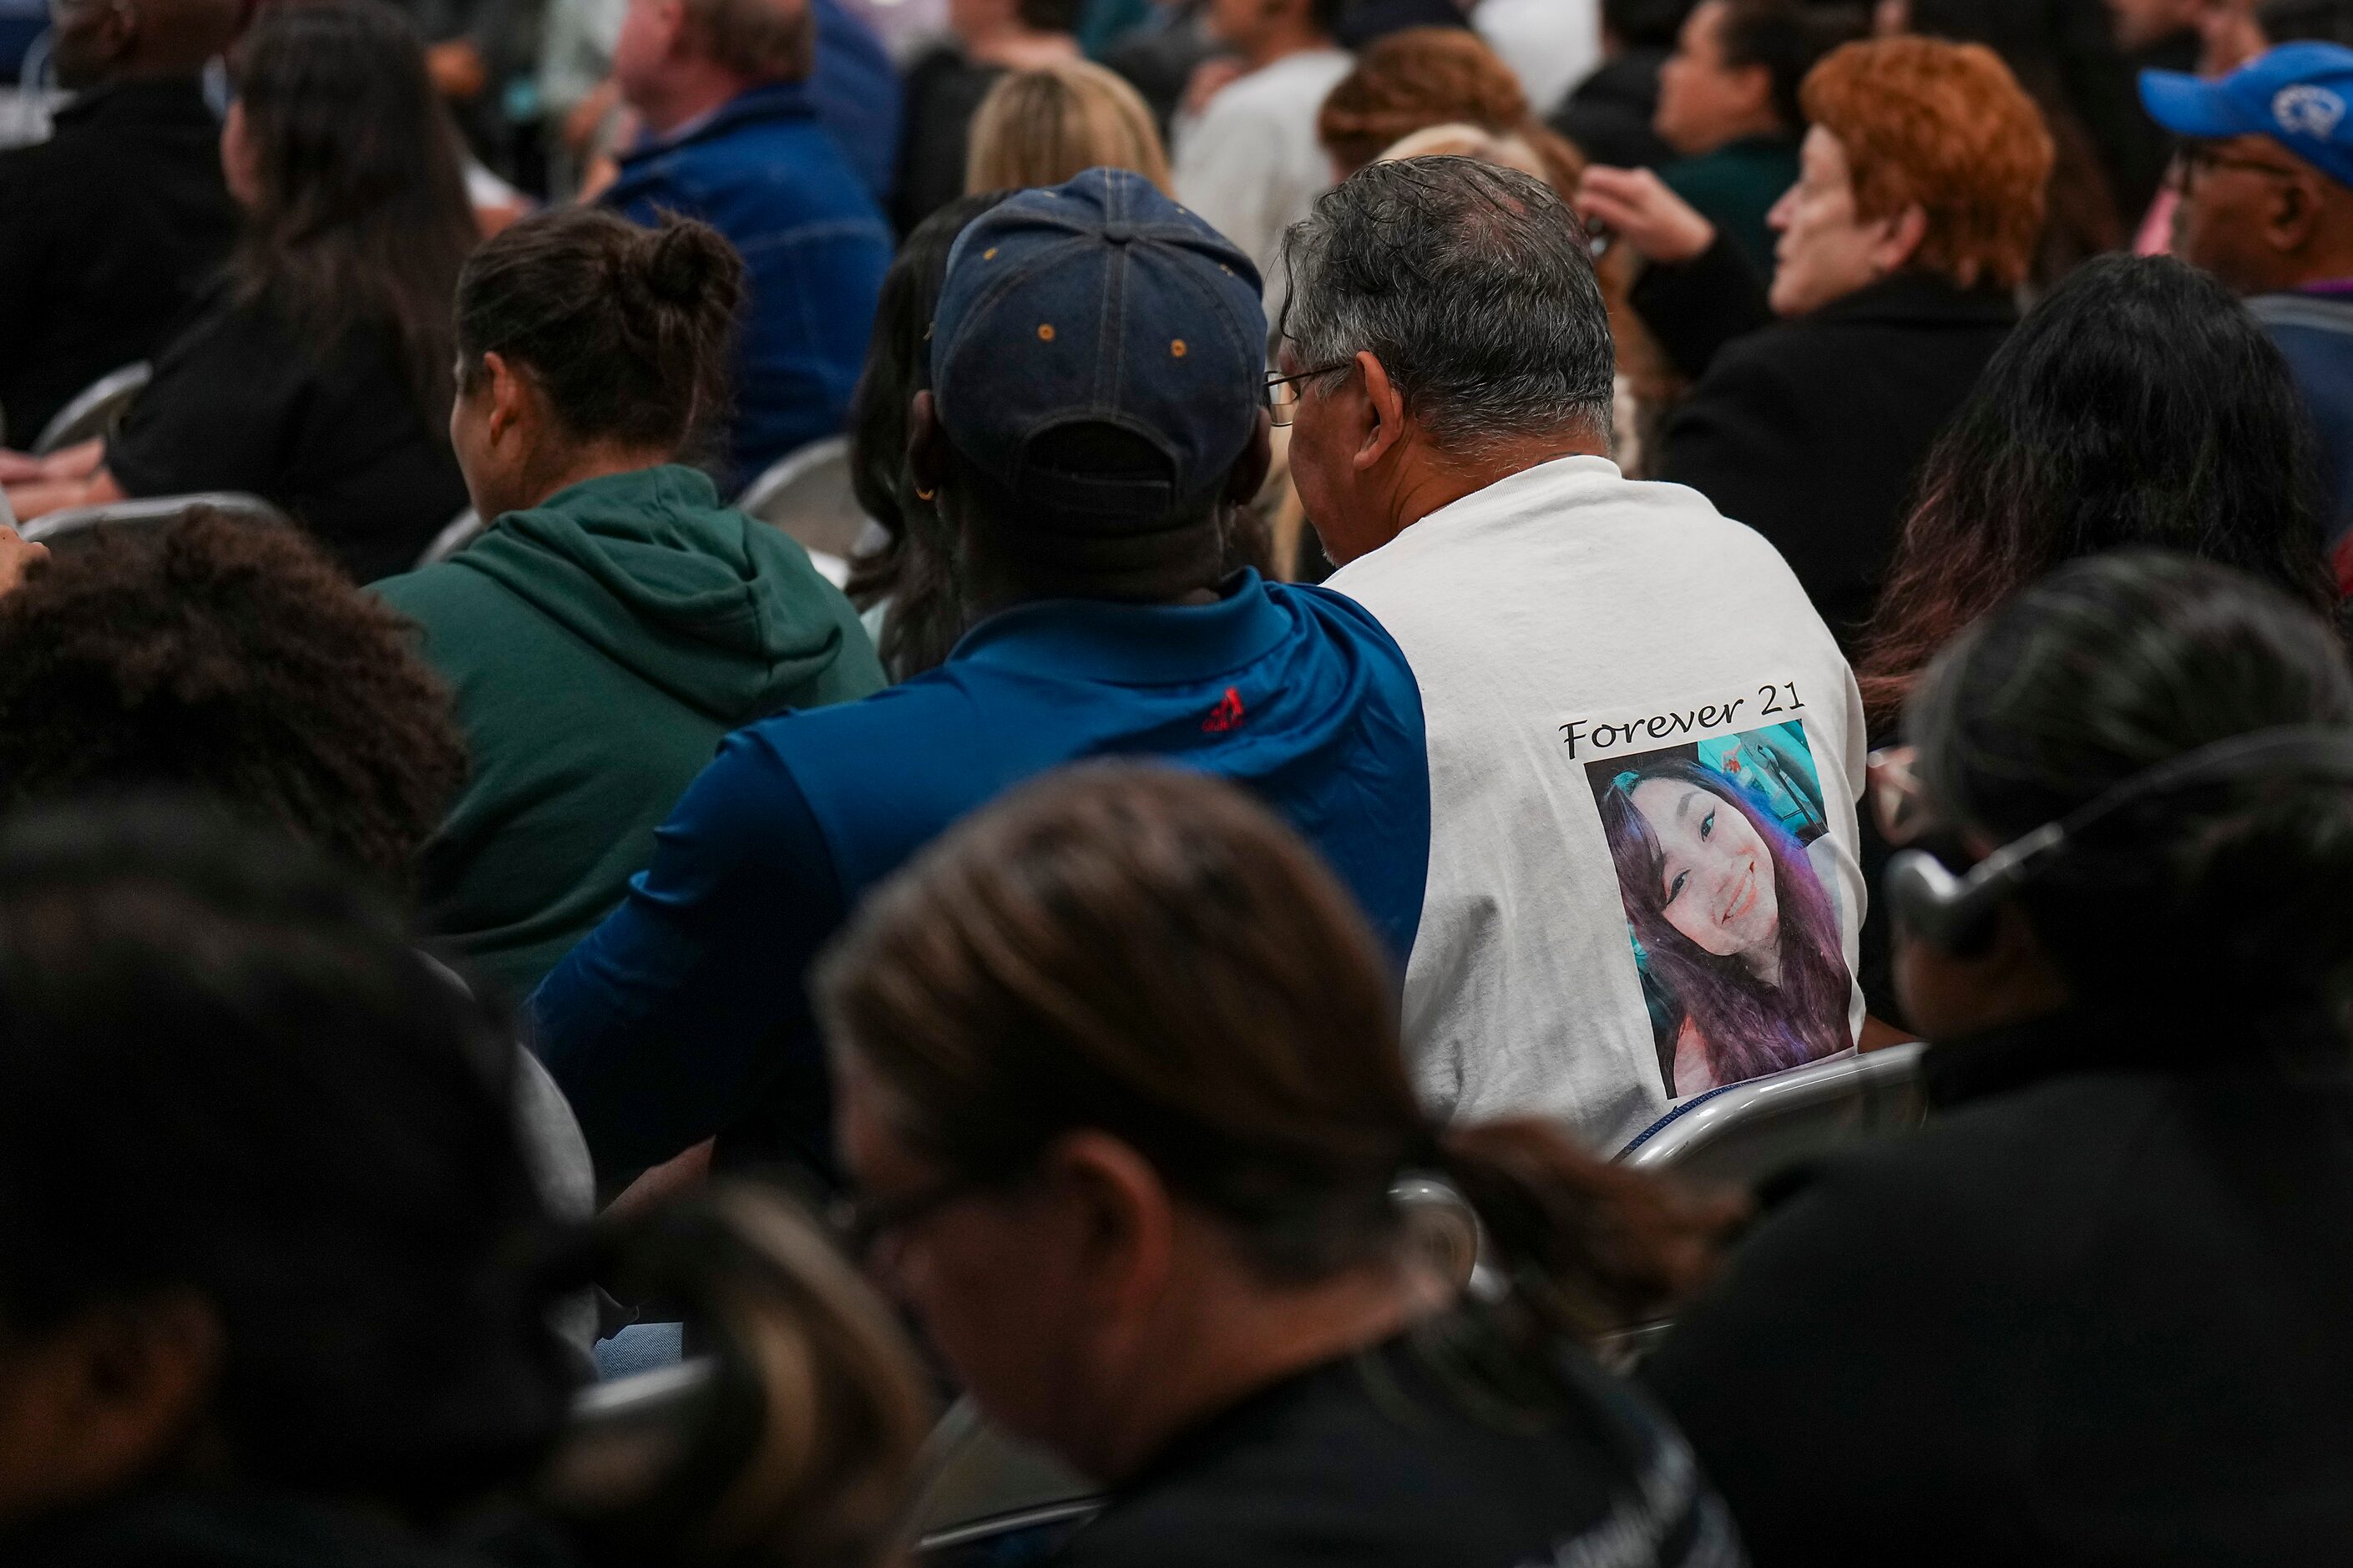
[{"x": 1283, "y": 390}]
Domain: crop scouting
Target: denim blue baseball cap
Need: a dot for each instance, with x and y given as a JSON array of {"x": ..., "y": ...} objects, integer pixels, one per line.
[
  {"x": 2298, "y": 95},
  {"x": 1099, "y": 301}
]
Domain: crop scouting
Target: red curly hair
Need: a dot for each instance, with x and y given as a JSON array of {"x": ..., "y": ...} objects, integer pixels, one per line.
[
  {"x": 1947, "y": 128},
  {"x": 1420, "y": 77}
]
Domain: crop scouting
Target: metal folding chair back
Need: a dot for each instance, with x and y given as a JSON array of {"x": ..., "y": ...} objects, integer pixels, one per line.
[
  {"x": 95, "y": 410},
  {"x": 1746, "y": 1132},
  {"x": 806, "y": 496},
  {"x": 149, "y": 513}
]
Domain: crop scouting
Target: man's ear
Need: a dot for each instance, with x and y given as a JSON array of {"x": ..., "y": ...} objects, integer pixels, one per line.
[
  {"x": 1248, "y": 476},
  {"x": 672, "y": 22},
  {"x": 2294, "y": 211},
  {"x": 1756, "y": 86},
  {"x": 1900, "y": 239},
  {"x": 1382, "y": 424},
  {"x": 926, "y": 444}
]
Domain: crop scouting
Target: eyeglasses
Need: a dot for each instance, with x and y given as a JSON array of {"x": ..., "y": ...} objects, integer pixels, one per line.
[
  {"x": 861, "y": 1222},
  {"x": 1899, "y": 803},
  {"x": 2198, "y": 159},
  {"x": 1283, "y": 390}
]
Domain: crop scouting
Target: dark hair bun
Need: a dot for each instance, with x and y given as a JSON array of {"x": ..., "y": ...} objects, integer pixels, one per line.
[{"x": 682, "y": 260}]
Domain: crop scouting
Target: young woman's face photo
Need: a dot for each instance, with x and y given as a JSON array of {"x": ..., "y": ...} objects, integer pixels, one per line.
[{"x": 1717, "y": 879}]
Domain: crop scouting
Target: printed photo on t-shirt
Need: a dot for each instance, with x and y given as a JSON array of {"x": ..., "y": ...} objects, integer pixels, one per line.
[{"x": 1735, "y": 934}]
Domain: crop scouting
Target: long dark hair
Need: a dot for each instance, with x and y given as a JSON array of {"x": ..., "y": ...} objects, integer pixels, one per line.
[
  {"x": 2228, "y": 898},
  {"x": 1749, "y": 1028},
  {"x": 2139, "y": 403},
  {"x": 914, "y": 567},
  {"x": 360, "y": 220},
  {"x": 1150, "y": 952}
]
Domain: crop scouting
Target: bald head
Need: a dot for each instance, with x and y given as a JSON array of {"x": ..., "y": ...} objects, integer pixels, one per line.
[{"x": 100, "y": 41}]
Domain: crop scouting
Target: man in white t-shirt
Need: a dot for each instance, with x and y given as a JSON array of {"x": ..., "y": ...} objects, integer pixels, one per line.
[
  {"x": 1250, "y": 163},
  {"x": 1645, "y": 749}
]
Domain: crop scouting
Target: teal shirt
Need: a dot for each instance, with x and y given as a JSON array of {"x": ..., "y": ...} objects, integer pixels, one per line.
[
  {"x": 1734, "y": 186},
  {"x": 599, "y": 645}
]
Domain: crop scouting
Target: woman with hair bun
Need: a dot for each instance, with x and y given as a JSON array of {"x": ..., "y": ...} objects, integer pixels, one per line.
[
  {"x": 1121, "y": 1088},
  {"x": 615, "y": 620},
  {"x": 2095, "y": 1312}
]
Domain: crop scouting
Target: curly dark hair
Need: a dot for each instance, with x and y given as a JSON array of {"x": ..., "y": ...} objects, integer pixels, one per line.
[{"x": 235, "y": 658}]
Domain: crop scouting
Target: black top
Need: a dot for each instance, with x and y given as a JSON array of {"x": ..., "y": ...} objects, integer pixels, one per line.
[
  {"x": 1608, "y": 115},
  {"x": 943, "y": 90},
  {"x": 332, "y": 435},
  {"x": 1371, "y": 1461},
  {"x": 108, "y": 232},
  {"x": 1813, "y": 430},
  {"x": 2100, "y": 1314}
]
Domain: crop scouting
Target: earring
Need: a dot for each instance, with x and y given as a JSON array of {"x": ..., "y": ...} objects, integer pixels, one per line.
[{"x": 923, "y": 494}]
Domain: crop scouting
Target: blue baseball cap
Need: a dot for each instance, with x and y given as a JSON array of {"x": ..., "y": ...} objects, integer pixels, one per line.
[
  {"x": 2298, "y": 95},
  {"x": 1099, "y": 301}
]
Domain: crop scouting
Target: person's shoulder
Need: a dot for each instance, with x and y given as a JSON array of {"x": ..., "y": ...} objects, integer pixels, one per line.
[
  {"x": 1290, "y": 88},
  {"x": 444, "y": 597}
]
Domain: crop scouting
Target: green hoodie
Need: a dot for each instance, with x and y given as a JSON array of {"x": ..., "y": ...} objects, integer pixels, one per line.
[{"x": 599, "y": 645}]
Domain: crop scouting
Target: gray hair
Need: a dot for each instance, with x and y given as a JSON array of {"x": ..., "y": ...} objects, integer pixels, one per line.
[{"x": 1471, "y": 285}]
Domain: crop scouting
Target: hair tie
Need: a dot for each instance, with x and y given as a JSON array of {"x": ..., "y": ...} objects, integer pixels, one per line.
[{"x": 1624, "y": 782}]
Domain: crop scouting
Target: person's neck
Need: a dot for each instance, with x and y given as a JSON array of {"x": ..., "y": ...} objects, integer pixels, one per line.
[
  {"x": 2330, "y": 264},
  {"x": 1240, "y": 1339},
  {"x": 585, "y": 463},
  {"x": 1017, "y": 47},
  {"x": 1757, "y": 128},
  {"x": 1430, "y": 480},
  {"x": 692, "y": 91},
  {"x": 1281, "y": 41}
]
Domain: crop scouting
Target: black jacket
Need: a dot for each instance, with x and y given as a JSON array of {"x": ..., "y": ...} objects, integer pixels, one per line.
[
  {"x": 109, "y": 230},
  {"x": 1812, "y": 430},
  {"x": 2101, "y": 1312}
]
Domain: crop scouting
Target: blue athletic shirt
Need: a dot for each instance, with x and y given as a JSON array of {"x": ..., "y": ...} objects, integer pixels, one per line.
[{"x": 686, "y": 1013}]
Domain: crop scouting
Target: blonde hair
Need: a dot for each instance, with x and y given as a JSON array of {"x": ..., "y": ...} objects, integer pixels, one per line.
[
  {"x": 822, "y": 1479},
  {"x": 1468, "y": 142},
  {"x": 1042, "y": 127}
]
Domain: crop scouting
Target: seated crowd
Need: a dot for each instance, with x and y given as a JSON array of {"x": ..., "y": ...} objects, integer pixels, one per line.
[{"x": 1413, "y": 630}]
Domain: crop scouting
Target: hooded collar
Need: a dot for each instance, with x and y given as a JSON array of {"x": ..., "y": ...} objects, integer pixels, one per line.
[{"x": 720, "y": 610}]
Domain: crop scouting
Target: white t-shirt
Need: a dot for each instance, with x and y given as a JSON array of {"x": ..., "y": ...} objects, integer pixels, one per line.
[
  {"x": 1550, "y": 45},
  {"x": 1250, "y": 164},
  {"x": 1615, "y": 676}
]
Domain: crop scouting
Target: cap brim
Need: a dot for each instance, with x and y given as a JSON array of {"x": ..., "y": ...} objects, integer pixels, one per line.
[{"x": 2192, "y": 106}]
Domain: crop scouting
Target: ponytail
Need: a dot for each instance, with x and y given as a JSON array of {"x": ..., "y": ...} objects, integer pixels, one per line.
[
  {"x": 1586, "y": 1246},
  {"x": 796, "y": 1450}
]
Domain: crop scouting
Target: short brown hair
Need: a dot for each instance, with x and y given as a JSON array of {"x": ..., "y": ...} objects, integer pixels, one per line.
[
  {"x": 767, "y": 41},
  {"x": 1042, "y": 127},
  {"x": 1410, "y": 80},
  {"x": 1947, "y": 128}
]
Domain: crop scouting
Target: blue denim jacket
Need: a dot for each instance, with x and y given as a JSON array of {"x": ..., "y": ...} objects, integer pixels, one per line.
[
  {"x": 763, "y": 171},
  {"x": 856, "y": 91}
]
